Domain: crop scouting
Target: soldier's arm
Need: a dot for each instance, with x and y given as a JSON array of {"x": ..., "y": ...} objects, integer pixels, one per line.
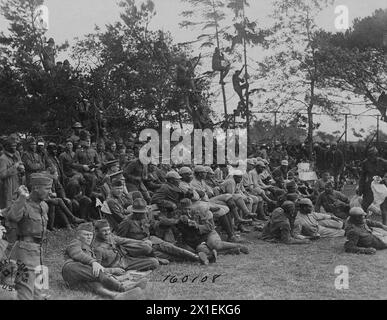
[
  {"x": 7, "y": 172},
  {"x": 30, "y": 166},
  {"x": 287, "y": 238},
  {"x": 126, "y": 241},
  {"x": 206, "y": 226},
  {"x": 17, "y": 209},
  {"x": 3, "y": 247},
  {"x": 114, "y": 208},
  {"x": 375, "y": 224},
  {"x": 167, "y": 222},
  {"x": 75, "y": 252}
]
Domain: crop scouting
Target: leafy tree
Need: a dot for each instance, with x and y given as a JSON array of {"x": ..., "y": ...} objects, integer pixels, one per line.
[
  {"x": 292, "y": 71},
  {"x": 355, "y": 61},
  {"x": 134, "y": 74},
  {"x": 209, "y": 16}
]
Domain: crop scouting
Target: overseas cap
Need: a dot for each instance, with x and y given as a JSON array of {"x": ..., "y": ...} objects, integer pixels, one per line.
[
  {"x": 185, "y": 170},
  {"x": 305, "y": 202},
  {"x": 100, "y": 224},
  {"x": 40, "y": 179},
  {"x": 199, "y": 169},
  {"x": 356, "y": 212},
  {"x": 86, "y": 227},
  {"x": 173, "y": 175}
]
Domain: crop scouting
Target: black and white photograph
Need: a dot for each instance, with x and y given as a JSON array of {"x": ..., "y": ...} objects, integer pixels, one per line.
[{"x": 202, "y": 152}]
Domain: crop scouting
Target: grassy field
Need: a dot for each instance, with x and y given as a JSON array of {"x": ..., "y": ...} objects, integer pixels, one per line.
[{"x": 270, "y": 271}]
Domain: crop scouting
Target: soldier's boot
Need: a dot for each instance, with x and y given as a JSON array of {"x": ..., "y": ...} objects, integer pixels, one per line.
[
  {"x": 203, "y": 258},
  {"x": 214, "y": 256},
  {"x": 180, "y": 253},
  {"x": 242, "y": 229},
  {"x": 99, "y": 289},
  {"x": 73, "y": 219}
]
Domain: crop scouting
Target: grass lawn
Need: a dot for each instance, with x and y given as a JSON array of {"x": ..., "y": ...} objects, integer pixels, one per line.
[{"x": 270, "y": 271}]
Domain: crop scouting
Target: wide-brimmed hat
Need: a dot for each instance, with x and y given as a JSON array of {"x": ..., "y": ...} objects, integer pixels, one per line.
[{"x": 139, "y": 206}]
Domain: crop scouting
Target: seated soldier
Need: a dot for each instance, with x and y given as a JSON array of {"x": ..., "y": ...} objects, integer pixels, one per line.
[
  {"x": 280, "y": 227},
  {"x": 81, "y": 205},
  {"x": 152, "y": 182},
  {"x": 117, "y": 204},
  {"x": 122, "y": 253},
  {"x": 134, "y": 173},
  {"x": 170, "y": 193},
  {"x": 221, "y": 205},
  {"x": 81, "y": 270},
  {"x": 333, "y": 202},
  {"x": 292, "y": 193},
  {"x": 199, "y": 234},
  {"x": 139, "y": 226},
  {"x": 60, "y": 209},
  {"x": 359, "y": 233},
  {"x": 248, "y": 204},
  {"x": 259, "y": 178},
  {"x": 88, "y": 159},
  {"x": 319, "y": 186},
  {"x": 317, "y": 225},
  {"x": 280, "y": 174}
]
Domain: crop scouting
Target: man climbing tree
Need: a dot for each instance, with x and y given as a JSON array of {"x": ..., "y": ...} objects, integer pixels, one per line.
[
  {"x": 240, "y": 84},
  {"x": 219, "y": 63}
]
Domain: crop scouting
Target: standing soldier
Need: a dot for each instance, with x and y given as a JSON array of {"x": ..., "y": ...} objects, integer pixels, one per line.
[
  {"x": 29, "y": 212},
  {"x": 335, "y": 162},
  {"x": 11, "y": 169},
  {"x": 371, "y": 167}
]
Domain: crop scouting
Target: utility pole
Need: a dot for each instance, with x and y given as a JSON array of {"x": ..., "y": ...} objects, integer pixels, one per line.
[{"x": 246, "y": 73}]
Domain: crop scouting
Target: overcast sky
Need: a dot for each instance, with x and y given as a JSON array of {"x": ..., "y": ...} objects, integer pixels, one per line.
[{"x": 74, "y": 18}]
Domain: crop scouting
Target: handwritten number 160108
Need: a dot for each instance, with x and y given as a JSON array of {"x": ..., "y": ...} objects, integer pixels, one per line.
[{"x": 191, "y": 279}]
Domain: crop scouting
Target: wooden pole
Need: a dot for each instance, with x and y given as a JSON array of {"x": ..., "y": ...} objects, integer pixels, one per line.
[{"x": 223, "y": 88}]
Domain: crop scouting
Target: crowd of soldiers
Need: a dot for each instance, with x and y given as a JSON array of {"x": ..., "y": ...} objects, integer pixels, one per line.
[{"x": 130, "y": 218}]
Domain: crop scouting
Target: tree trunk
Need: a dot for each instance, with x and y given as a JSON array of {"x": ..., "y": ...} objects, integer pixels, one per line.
[{"x": 310, "y": 119}]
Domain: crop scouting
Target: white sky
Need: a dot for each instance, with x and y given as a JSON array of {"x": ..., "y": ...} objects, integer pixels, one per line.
[{"x": 74, "y": 18}]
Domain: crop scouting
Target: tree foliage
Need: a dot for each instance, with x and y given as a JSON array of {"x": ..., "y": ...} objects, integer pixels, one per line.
[{"x": 355, "y": 62}]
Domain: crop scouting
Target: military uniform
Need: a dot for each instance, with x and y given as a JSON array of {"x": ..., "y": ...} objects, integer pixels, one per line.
[
  {"x": 124, "y": 253},
  {"x": 9, "y": 178},
  {"x": 77, "y": 271},
  {"x": 280, "y": 229},
  {"x": 33, "y": 163},
  {"x": 31, "y": 219},
  {"x": 140, "y": 230},
  {"x": 360, "y": 237},
  {"x": 117, "y": 207}
]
